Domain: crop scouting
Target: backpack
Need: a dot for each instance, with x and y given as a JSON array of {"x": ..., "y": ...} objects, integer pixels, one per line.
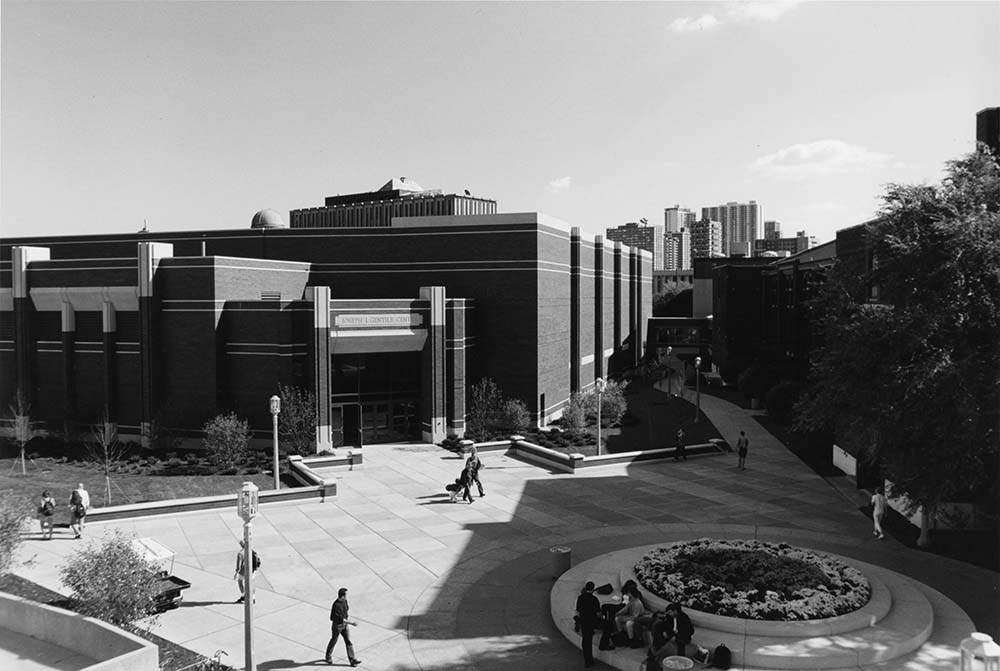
[
  {"x": 256, "y": 561},
  {"x": 48, "y": 508},
  {"x": 722, "y": 658}
]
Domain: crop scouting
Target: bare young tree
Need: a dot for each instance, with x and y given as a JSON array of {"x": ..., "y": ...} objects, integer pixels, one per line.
[
  {"x": 24, "y": 429},
  {"x": 106, "y": 450}
]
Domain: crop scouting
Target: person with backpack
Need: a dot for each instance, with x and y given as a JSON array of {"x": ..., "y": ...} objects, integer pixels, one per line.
[
  {"x": 588, "y": 619},
  {"x": 241, "y": 573},
  {"x": 742, "y": 444},
  {"x": 46, "y": 513},
  {"x": 79, "y": 504}
]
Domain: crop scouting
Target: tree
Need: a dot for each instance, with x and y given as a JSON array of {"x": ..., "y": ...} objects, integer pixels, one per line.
[
  {"x": 912, "y": 380},
  {"x": 613, "y": 403},
  {"x": 112, "y": 581},
  {"x": 227, "y": 440},
  {"x": 22, "y": 425},
  {"x": 674, "y": 300},
  {"x": 13, "y": 512},
  {"x": 105, "y": 450},
  {"x": 514, "y": 416},
  {"x": 297, "y": 421},
  {"x": 485, "y": 408}
]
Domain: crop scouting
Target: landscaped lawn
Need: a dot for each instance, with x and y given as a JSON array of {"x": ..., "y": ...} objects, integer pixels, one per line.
[{"x": 142, "y": 480}]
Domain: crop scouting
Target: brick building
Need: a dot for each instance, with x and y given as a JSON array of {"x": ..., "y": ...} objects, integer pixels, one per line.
[{"x": 388, "y": 325}]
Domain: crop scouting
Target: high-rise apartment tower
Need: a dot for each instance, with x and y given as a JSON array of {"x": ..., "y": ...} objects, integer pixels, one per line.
[{"x": 740, "y": 222}]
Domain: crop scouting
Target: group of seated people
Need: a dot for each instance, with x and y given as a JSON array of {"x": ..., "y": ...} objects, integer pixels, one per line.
[{"x": 667, "y": 632}]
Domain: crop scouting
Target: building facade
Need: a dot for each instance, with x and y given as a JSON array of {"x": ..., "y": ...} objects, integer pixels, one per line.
[
  {"x": 396, "y": 198},
  {"x": 772, "y": 230},
  {"x": 677, "y": 250},
  {"x": 643, "y": 236},
  {"x": 675, "y": 218},
  {"x": 706, "y": 239},
  {"x": 740, "y": 222},
  {"x": 800, "y": 243},
  {"x": 388, "y": 326}
]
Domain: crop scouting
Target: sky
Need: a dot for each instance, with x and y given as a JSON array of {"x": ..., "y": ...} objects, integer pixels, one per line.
[{"x": 195, "y": 115}]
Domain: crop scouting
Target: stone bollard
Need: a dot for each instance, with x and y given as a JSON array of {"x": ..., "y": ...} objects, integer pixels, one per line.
[
  {"x": 561, "y": 559},
  {"x": 465, "y": 446}
]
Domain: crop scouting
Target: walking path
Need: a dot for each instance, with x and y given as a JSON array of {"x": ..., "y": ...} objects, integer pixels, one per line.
[{"x": 439, "y": 585}]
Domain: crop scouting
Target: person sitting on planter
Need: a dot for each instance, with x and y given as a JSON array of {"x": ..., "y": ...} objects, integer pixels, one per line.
[
  {"x": 625, "y": 620},
  {"x": 682, "y": 630},
  {"x": 609, "y": 612}
]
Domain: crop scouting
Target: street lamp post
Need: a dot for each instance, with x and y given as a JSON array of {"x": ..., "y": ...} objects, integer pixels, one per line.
[
  {"x": 246, "y": 506},
  {"x": 697, "y": 387},
  {"x": 669, "y": 369},
  {"x": 275, "y": 411},
  {"x": 600, "y": 385}
]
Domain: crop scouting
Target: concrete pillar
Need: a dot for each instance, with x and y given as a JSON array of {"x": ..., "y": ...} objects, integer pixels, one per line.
[
  {"x": 433, "y": 403},
  {"x": 618, "y": 297},
  {"x": 319, "y": 364},
  {"x": 633, "y": 305}
]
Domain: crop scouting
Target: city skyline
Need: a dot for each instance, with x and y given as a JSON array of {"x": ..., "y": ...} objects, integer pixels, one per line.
[{"x": 188, "y": 116}]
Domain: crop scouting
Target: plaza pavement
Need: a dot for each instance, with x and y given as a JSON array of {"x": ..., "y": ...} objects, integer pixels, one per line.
[{"x": 438, "y": 585}]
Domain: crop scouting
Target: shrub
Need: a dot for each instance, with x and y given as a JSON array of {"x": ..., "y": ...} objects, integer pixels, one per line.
[
  {"x": 613, "y": 404},
  {"x": 227, "y": 439},
  {"x": 515, "y": 417},
  {"x": 297, "y": 421},
  {"x": 575, "y": 415},
  {"x": 13, "y": 512},
  {"x": 112, "y": 581},
  {"x": 755, "y": 381},
  {"x": 781, "y": 399}
]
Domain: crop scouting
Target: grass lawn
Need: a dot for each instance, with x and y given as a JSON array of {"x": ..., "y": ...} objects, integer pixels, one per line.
[{"x": 139, "y": 479}]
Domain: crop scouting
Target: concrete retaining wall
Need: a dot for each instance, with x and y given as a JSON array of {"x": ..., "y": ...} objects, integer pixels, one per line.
[{"x": 113, "y": 648}]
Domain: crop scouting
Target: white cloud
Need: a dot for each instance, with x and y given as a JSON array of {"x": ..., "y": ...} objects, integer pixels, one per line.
[
  {"x": 823, "y": 157},
  {"x": 687, "y": 24},
  {"x": 559, "y": 185},
  {"x": 752, "y": 10}
]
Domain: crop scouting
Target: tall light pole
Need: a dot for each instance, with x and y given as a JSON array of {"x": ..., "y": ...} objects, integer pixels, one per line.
[
  {"x": 697, "y": 387},
  {"x": 600, "y": 385},
  {"x": 275, "y": 411},
  {"x": 669, "y": 369},
  {"x": 246, "y": 506}
]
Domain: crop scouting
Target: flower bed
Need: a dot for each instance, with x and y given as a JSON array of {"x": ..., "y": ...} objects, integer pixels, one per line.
[{"x": 753, "y": 580}]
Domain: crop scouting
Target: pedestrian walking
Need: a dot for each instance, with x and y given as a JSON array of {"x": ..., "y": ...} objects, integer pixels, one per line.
[
  {"x": 742, "y": 444},
  {"x": 79, "y": 504},
  {"x": 466, "y": 483},
  {"x": 878, "y": 512},
  {"x": 240, "y": 573},
  {"x": 588, "y": 614},
  {"x": 46, "y": 513},
  {"x": 476, "y": 465},
  {"x": 339, "y": 623},
  {"x": 679, "y": 451}
]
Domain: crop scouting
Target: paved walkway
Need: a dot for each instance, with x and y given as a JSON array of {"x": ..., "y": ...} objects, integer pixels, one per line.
[{"x": 439, "y": 585}]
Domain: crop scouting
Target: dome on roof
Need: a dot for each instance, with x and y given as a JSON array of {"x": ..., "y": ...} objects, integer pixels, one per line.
[
  {"x": 771, "y": 254},
  {"x": 267, "y": 219}
]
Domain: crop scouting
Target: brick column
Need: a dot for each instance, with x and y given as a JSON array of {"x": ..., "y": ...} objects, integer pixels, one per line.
[
  {"x": 633, "y": 304},
  {"x": 24, "y": 346},
  {"x": 109, "y": 328},
  {"x": 599, "y": 307},
  {"x": 456, "y": 366},
  {"x": 574, "y": 310},
  {"x": 319, "y": 364},
  {"x": 618, "y": 298},
  {"x": 433, "y": 404},
  {"x": 69, "y": 361},
  {"x": 149, "y": 257}
]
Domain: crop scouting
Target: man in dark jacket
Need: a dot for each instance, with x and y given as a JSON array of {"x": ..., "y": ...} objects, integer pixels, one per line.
[
  {"x": 683, "y": 629},
  {"x": 588, "y": 614},
  {"x": 339, "y": 621}
]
